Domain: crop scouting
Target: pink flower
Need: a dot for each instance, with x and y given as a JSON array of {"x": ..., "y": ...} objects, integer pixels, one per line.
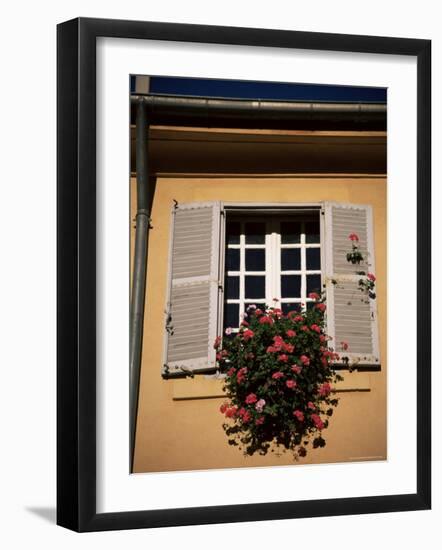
[
  {"x": 259, "y": 420},
  {"x": 271, "y": 349},
  {"x": 283, "y": 357},
  {"x": 244, "y": 323},
  {"x": 291, "y": 333},
  {"x": 305, "y": 360},
  {"x": 299, "y": 415},
  {"x": 217, "y": 342},
  {"x": 296, "y": 368},
  {"x": 223, "y": 407},
  {"x": 291, "y": 384},
  {"x": 305, "y": 328},
  {"x": 316, "y": 328},
  {"x": 298, "y": 318},
  {"x": 371, "y": 277},
  {"x": 317, "y": 421},
  {"x": 260, "y": 405},
  {"x": 325, "y": 389},
  {"x": 344, "y": 345},
  {"x": 353, "y": 237},
  {"x": 258, "y": 311},
  {"x": 229, "y": 331},
  {"x": 251, "y": 306},
  {"x": 320, "y": 306},
  {"x": 248, "y": 334},
  {"x": 251, "y": 398},
  {"x": 314, "y": 296},
  {"x": 231, "y": 371},
  {"x": 311, "y": 406},
  {"x": 322, "y": 338},
  {"x": 277, "y": 375},
  {"x": 246, "y": 417}
]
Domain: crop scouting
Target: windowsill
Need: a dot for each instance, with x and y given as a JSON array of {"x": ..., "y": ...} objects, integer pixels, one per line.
[{"x": 202, "y": 387}]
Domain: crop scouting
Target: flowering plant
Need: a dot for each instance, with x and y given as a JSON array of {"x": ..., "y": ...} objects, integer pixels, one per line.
[
  {"x": 355, "y": 256},
  {"x": 367, "y": 284},
  {"x": 279, "y": 372}
]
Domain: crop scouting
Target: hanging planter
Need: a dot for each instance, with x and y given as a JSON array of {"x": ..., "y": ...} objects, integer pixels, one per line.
[
  {"x": 355, "y": 256},
  {"x": 279, "y": 376}
]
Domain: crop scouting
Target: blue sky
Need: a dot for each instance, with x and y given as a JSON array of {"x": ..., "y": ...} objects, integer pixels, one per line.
[{"x": 237, "y": 89}]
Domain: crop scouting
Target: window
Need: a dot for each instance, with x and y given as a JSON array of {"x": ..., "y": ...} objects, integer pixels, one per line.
[
  {"x": 224, "y": 257},
  {"x": 267, "y": 257}
]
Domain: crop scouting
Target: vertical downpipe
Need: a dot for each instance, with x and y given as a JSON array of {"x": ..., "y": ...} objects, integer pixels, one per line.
[{"x": 139, "y": 269}]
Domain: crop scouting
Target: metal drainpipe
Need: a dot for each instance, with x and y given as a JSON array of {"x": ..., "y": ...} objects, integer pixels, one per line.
[{"x": 139, "y": 268}]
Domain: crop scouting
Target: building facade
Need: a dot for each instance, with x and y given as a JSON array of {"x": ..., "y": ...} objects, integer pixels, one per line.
[{"x": 241, "y": 216}]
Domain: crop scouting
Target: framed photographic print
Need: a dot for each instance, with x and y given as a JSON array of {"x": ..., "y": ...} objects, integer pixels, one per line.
[{"x": 243, "y": 274}]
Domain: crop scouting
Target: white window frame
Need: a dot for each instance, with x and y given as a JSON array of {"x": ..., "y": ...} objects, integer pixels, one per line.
[
  {"x": 272, "y": 273},
  {"x": 273, "y": 247}
]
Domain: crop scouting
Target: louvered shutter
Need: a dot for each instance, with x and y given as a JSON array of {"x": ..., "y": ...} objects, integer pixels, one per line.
[
  {"x": 351, "y": 315},
  {"x": 194, "y": 291}
]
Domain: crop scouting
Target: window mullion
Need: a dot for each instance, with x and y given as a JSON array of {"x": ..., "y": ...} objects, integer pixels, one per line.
[
  {"x": 277, "y": 261},
  {"x": 303, "y": 267},
  {"x": 242, "y": 268}
]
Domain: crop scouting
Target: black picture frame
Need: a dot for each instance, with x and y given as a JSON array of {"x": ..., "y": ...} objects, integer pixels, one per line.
[{"x": 76, "y": 274}]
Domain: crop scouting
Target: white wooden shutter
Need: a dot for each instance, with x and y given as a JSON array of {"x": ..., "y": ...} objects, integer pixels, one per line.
[
  {"x": 351, "y": 315},
  {"x": 194, "y": 289}
]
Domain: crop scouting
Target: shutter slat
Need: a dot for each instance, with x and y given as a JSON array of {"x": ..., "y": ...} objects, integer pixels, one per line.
[
  {"x": 351, "y": 316},
  {"x": 193, "y": 296}
]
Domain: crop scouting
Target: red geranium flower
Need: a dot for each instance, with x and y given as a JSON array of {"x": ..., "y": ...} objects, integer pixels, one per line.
[
  {"x": 325, "y": 389},
  {"x": 265, "y": 319},
  {"x": 248, "y": 334},
  {"x": 251, "y": 398},
  {"x": 353, "y": 237},
  {"x": 317, "y": 421},
  {"x": 241, "y": 376}
]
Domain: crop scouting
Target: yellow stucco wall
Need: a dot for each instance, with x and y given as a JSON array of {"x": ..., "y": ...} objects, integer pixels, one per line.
[{"x": 179, "y": 426}]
